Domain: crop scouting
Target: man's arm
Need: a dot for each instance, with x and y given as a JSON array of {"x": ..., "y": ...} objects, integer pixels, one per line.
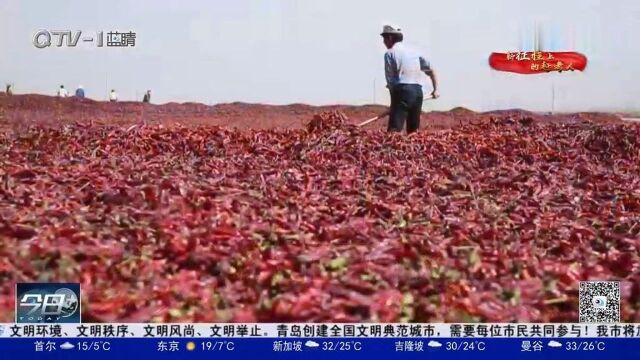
[
  {"x": 390, "y": 70},
  {"x": 434, "y": 82},
  {"x": 425, "y": 66},
  {"x": 391, "y": 74}
]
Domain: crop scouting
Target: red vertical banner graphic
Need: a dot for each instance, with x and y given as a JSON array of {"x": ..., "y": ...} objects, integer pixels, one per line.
[{"x": 536, "y": 62}]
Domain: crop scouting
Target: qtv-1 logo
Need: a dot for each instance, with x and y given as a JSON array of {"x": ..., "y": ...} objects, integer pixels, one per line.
[{"x": 48, "y": 303}]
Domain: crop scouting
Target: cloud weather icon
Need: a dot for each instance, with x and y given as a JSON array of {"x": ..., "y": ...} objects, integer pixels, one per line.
[
  {"x": 554, "y": 344},
  {"x": 312, "y": 344},
  {"x": 434, "y": 344},
  {"x": 67, "y": 346}
]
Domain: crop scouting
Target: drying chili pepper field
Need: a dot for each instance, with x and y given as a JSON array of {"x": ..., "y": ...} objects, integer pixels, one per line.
[{"x": 496, "y": 218}]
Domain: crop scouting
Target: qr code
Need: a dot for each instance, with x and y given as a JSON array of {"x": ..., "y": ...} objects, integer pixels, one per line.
[{"x": 599, "y": 301}]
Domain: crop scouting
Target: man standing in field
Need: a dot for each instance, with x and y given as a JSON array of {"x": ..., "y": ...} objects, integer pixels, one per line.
[
  {"x": 62, "y": 92},
  {"x": 113, "y": 96},
  {"x": 80, "y": 92},
  {"x": 147, "y": 97},
  {"x": 403, "y": 69}
]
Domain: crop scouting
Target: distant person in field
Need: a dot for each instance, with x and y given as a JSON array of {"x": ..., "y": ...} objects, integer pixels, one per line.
[
  {"x": 62, "y": 92},
  {"x": 80, "y": 92},
  {"x": 147, "y": 97},
  {"x": 9, "y": 90},
  {"x": 403, "y": 68},
  {"x": 113, "y": 97}
]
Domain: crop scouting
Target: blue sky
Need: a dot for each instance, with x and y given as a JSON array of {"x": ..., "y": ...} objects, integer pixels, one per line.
[{"x": 325, "y": 52}]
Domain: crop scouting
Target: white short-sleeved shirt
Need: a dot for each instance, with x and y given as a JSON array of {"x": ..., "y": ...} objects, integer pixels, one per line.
[
  {"x": 404, "y": 65},
  {"x": 63, "y": 92}
]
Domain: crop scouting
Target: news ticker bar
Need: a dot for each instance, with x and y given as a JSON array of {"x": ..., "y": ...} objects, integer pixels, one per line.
[
  {"x": 344, "y": 348},
  {"x": 326, "y": 330}
]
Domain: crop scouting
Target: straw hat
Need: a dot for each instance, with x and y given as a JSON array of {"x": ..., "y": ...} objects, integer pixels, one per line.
[{"x": 389, "y": 30}]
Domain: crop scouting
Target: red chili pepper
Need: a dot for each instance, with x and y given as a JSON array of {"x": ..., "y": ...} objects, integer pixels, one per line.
[{"x": 496, "y": 219}]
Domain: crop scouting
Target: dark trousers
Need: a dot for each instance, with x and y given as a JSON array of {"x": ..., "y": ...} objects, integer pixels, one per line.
[{"x": 406, "y": 105}]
